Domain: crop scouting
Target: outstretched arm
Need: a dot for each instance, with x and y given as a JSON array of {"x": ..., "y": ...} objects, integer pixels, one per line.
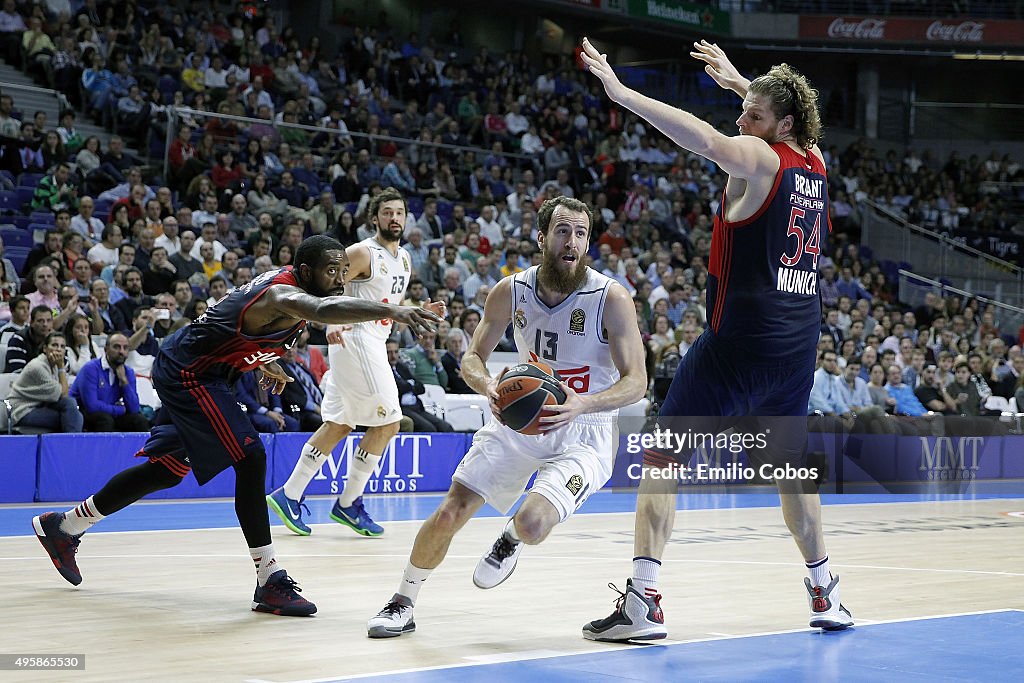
[
  {"x": 341, "y": 310},
  {"x": 743, "y": 156}
]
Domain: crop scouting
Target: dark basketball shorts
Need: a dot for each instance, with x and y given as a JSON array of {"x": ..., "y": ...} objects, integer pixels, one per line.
[
  {"x": 717, "y": 389},
  {"x": 200, "y": 427}
]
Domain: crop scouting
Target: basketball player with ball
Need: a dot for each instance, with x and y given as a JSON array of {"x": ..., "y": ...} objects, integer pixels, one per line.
[{"x": 568, "y": 319}]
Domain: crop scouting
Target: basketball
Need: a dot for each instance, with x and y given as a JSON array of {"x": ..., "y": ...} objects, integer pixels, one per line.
[{"x": 524, "y": 391}]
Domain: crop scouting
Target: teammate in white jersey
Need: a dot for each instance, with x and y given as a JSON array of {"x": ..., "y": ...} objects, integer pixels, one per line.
[
  {"x": 583, "y": 325},
  {"x": 360, "y": 389}
]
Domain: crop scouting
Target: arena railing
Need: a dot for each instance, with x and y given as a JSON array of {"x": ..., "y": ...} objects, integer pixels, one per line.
[
  {"x": 59, "y": 97},
  {"x": 176, "y": 114},
  {"x": 938, "y": 256},
  {"x": 914, "y": 287}
]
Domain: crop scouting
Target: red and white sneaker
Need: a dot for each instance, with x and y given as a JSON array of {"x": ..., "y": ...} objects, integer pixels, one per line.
[
  {"x": 280, "y": 595},
  {"x": 60, "y": 546},
  {"x": 635, "y": 618},
  {"x": 827, "y": 612}
]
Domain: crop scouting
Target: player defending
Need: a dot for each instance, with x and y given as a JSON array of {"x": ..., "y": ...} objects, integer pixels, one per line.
[
  {"x": 201, "y": 426},
  {"x": 583, "y": 325},
  {"x": 361, "y": 390},
  {"x": 757, "y": 355}
]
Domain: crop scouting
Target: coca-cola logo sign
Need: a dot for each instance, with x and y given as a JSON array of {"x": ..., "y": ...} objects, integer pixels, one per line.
[
  {"x": 869, "y": 29},
  {"x": 964, "y": 32}
]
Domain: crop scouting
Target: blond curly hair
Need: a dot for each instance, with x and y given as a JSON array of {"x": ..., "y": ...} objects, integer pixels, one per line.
[{"x": 790, "y": 93}]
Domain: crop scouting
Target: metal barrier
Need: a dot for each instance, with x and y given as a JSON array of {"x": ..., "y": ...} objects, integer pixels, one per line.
[{"x": 934, "y": 255}]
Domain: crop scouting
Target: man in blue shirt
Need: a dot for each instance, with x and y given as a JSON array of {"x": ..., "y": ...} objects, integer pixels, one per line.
[
  {"x": 105, "y": 390},
  {"x": 907, "y": 404},
  {"x": 827, "y": 396},
  {"x": 854, "y": 391}
]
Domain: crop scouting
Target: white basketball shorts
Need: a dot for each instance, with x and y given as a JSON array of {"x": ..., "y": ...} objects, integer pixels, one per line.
[{"x": 361, "y": 387}]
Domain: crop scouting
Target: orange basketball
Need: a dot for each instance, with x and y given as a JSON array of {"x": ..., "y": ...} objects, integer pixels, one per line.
[{"x": 524, "y": 391}]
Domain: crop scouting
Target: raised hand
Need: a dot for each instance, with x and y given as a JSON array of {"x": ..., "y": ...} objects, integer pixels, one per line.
[
  {"x": 719, "y": 67},
  {"x": 597, "y": 64}
]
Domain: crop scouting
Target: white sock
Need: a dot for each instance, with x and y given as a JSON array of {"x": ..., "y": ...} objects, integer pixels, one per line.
[
  {"x": 510, "y": 530},
  {"x": 645, "y": 575},
  {"x": 412, "y": 580},
  {"x": 310, "y": 461},
  {"x": 359, "y": 471},
  {"x": 820, "y": 574},
  {"x": 78, "y": 519},
  {"x": 266, "y": 563}
]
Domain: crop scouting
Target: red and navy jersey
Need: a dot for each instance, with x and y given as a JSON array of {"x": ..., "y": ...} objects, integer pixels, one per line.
[
  {"x": 763, "y": 273},
  {"x": 215, "y": 347}
]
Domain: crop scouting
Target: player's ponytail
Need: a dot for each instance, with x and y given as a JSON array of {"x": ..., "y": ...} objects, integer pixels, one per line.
[{"x": 791, "y": 94}]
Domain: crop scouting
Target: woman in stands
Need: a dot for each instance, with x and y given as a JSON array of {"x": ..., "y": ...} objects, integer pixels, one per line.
[
  {"x": 80, "y": 347},
  {"x": 262, "y": 199}
]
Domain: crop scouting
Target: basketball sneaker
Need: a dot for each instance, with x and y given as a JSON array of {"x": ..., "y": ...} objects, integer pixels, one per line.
[
  {"x": 280, "y": 595},
  {"x": 392, "y": 621},
  {"x": 355, "y": 517},
  {"x": 290, "y": 511},
  {"x": 635, "y": 618},
  {"x": 827, "y": 612},
  {"x": 497, "y": 565},
  {"x": 60, "y": 546}
]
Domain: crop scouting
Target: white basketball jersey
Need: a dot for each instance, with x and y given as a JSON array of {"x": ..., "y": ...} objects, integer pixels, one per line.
[
  {"x": 570, "y": 336},
  {"x": 389, "y": 277}
]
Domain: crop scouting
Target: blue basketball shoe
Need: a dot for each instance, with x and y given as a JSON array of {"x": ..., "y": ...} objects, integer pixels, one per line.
[
  {"x": 355, "y": 517},
  {"x": 290, "y": 511}
]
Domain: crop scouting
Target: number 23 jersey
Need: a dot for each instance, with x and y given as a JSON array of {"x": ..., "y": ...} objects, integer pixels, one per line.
[
  {"x": 570, "y": 337},
  {"x": 388, "y": 280}
]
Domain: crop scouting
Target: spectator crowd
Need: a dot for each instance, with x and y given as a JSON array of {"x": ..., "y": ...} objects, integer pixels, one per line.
[{"x": 475, "y": 141}]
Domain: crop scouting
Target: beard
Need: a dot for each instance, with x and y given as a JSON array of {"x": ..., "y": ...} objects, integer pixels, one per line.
[
  {"x": 553, "y": 277},
  {"x": 391, "y": 233}
]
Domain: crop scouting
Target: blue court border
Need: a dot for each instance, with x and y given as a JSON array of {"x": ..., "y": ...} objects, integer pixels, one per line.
[{"x": 947, "y": 649}]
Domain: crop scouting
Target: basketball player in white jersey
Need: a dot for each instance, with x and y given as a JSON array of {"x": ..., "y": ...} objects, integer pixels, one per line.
[
  {"x": 361, "y": 389},
  {"x": 583, "y": 325}
]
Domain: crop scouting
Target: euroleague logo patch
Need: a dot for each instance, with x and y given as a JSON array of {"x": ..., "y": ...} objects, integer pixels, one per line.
[
  {"x": 577, "y": 321},
  {"x": 574, "y": 484}
]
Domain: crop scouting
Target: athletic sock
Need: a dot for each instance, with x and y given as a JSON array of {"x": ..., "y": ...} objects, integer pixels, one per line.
[
  {"x": 510, "y": 530},
  {"x": 310, "y": 461},
  {"x": 412, "y": 581},
  {"x": 78, "y": 519},
  {"x": 645, "y": 575},
  {"x": 359, "y": 471},
  {"x": 820, "y": 574},
  {"x": 266, "y": 563}
]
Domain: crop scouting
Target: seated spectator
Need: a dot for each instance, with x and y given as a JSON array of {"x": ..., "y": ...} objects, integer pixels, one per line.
[
  {"x": 142, "y": 344},
  {"x": 932, "y": 394},
  {"x": 39, "y": 395},
  {"x": 19, "y": 312},
  {"x": 827, "y": 398},
  {"x": 964, "y": 392},
  {"x": 27, "y": 344},
  {"x": 105, "y": 389},
  {"x": 263, "y": 408},
  {"x": 409, "y": 391},
  {"x": 184, "y": 263},
  {"x": 134, "y": 296},
  {"x": 301, "y": 399},
  {"x": 452, "y": 362},
  {"x": 908, "y": 405},
  {"x": 424, "y": 362},
  {"x": 310, "y": 357},
  {"x": 80, "y": 347},
  {"x": 55, "y": 191}
]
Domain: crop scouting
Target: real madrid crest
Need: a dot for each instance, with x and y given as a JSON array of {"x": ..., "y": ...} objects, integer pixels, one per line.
[
  {"x": 520, "y": 318},
  {"x": 383, "y": 268},
  {"x": 405, "y": 263},
  {"x": 381, "y": 412}
]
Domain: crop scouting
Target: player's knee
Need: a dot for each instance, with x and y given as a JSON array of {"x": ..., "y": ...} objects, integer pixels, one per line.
[{"x": 532, "y": 528}]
